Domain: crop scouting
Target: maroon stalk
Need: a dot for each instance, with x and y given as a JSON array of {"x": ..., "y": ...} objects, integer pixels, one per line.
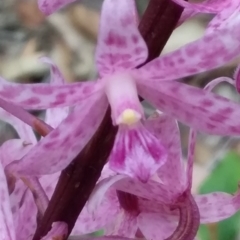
[{"x": 79, "y": 178}]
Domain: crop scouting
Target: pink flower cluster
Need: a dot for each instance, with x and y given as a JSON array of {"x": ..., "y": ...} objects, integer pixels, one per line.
[{"x": 145, "y": 188}]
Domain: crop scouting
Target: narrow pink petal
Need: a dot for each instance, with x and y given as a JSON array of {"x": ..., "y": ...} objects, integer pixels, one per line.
[
  {"x": 54, "y": 152},
  {"x": 50, "y": 6},
  {"x": 36, "y": 123},
  {"x": 187, "y": 13},
  {"x": 24, "y": 131},
  {"x": 56, "y": 76},
  {"x": 105, "y": 213},
  {"x": 45, "y": 95},
  {"x": 40, "y": 198},
  {"x": 7, "y": 230},
  {"x": 195, "y": 57},
  {"x": 217, "y": 206},
  {"x": 211, "y": 85},
  {"x": 59, "y": 230},
  {"x": 100, "y": 191},
  {"x": 16, "y": 198},
  {"x": 125, "y": 225},
  {"x": 165, "y": 128},
  {"x": 49, "y": 183},
  {"x": 205, "y": 7},
  {"x": 14, "y": 149},
  {"x": 27, "y": 218},
  {"x": 195, "y": 107},
  {"x": 54, "y": 116},
  {"x": 157, "y": 226},
  {"x": 136, "y": 153},
  {"x": 229, "y": 12},
  {"x": 120, "y": 45}
]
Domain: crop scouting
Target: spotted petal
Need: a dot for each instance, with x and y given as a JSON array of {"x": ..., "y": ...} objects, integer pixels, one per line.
[
  {"x": 205, "y": 7},
  {"x": 195, "y": 107},
  {"x": 195, "y": 57},
  {"x": 217, "y": 206},
  {"x": 120, "y": 45},
  {"x": 136, "y": 153},
  {"x": 7, "y": 230},
  {"x": 45, "y": 95},
  {"x": 60, "y": 146},
  {"x": 54, "y": 116},
  {"x": 50, "y": 6},
  {"x": 106, "y": 210},
  {"x": 166, "y": 129},
  {"x": 14, "y": 149}
]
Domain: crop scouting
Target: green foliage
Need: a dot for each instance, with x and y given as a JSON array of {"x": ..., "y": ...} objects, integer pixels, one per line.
[{"x": 225, "y": 178}]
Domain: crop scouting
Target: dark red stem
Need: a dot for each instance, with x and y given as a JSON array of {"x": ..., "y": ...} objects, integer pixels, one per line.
[{"x": 79, "y": 178}]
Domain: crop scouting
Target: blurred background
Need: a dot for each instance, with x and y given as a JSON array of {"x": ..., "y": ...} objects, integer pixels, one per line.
[{"x": 69, "y": 37}]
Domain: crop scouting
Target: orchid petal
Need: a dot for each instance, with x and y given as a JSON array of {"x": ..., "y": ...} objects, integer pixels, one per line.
[
  {"x": 50, "y": 6},
  {"x": 136, "y": 153},
  {"x": 166, "y": 129},
  {"x": 7, "y": 230},
  {"x": 156, "y": 226},
  {"x": 102, "y": 216},
  {"x": 54, "y": 116},
  {"x": 27, "y": 216},
  {"x": 187, "y": 13},
  {"x": 45, "y": 95},
  {"x": 59, "y": 230},
  {"x": 205, "y": 7},
  {"x": 24, "y": 131},
  {"x": 14, "y": 149},
  {"x": 125, "y": 225},
  {"x": 39, "y": 195},
  {"x": 211, "y": 85},
  {"x": 195, "y": 107},
  {"x": 120, "y": 45},
  {"x": 222, "y": 46},
  {"x": 217, "y": 206},
  {"x": 54, "y": 152},
  {"x": 49, "y": 183},
  {"x": 100, "y": 190},
  {"x": 56, "y": 75},
  {"x": 16, "y": 198},
  {"x": 230, "y": 11}
]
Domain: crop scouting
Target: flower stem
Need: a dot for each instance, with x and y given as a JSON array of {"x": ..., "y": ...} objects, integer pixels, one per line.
[{"x": 79, "y": 178}]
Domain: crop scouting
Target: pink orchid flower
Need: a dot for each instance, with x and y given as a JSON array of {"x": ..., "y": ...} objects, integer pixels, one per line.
[
  {"x": 120, "y": 50},
  {"x": 164, "y": 204},
  {"x": 19, "y": 212}
]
